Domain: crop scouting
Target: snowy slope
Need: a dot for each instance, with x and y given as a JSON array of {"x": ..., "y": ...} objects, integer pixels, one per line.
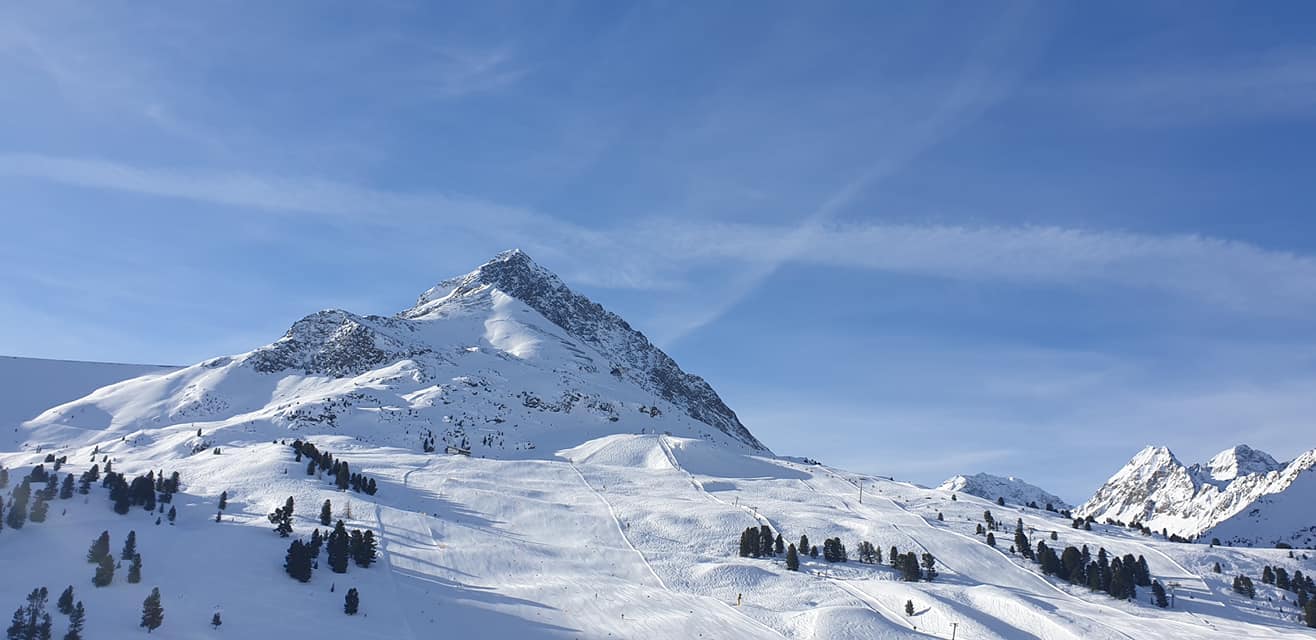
[
  {"x": 1241, "y": 494},
  {"x": 1012, "y": 489},
  {"x": 32, "y": 385},
  {"x": 604, "y": 498}
]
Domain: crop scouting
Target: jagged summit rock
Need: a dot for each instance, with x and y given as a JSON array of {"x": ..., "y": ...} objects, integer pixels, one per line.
[{"x": 506, "y": 358}]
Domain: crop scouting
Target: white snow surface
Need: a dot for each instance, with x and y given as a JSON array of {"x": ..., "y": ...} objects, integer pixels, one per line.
[
  {"x": 32, "y": 385},
  {"x": 1242, "y": 496},
  {"x": 1014, "y": 490},
  {"x": 588, "y": 508}
]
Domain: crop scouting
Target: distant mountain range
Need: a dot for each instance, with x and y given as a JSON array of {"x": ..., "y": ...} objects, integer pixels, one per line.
[{"x": 1241, "y": 496}]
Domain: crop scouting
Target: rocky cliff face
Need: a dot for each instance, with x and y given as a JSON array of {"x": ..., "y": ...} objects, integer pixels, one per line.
[{"x": 1159, "y": 491}]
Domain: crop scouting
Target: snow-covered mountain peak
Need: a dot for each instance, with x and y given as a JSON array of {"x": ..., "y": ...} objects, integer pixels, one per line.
[
  {"x": 512, "y": 271},
  {"x": 1158, "y": 491},
  {"x": 1012, "y": 489},
  {"x": 1240, "y": 460},
  {"x": 505, "y": 359}
]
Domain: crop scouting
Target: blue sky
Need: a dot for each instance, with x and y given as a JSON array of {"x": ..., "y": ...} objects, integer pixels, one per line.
[{"x": 907, "y": 238}]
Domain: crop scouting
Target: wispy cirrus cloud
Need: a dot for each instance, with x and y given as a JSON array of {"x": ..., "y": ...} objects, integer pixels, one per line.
[
  {"x": 660, "y": 253},
  {"x": 1279, "y": 83}
]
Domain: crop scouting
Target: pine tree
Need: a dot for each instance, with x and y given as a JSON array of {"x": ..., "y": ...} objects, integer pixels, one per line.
[
  {"x": 779, "y": 545},
  {"x": 343, "y": 477},
  {"x": 100, "y": 548},
  {"x": 1311, "y": 613},
  {"x": 1143, "y": 573},
  {"x": 65, "y": 603},
  {"x": 929, "y": 567},
  {"x": 66, "y": 489},
  {"x": 298, "y": 562},
  {"x": 813, "y": 551},
  {"x": 991, "y": 539},
  {"x": 804, "y": 543},
  {"x": 792, "y": 559},
  {"x": 39, "y": 508},
  {"x": 313, "y": 547},
  {"x": 77, "y": 620},
  {"x": 745, "y": 546},
  {"x": 1216, "y": 568},
  {"x": 1267, "y": 575},
  {"x": 152, "y": 611},
  {"x": 18, "y": 505},
  {"x": 351, "y": 602},
  {"x": 282, "y": 519},
  {"x": 364, "y": 555},
  {"x": 326, "y": 513},
  {"x": 338, "y": 548},
  {"x": 909, "y": 607},
  {"x": 104, "y": 572},
  {"x": 129, "y": 546},
  {"x": 1158, "y": 595},
  {"x": 17, "y": 626},
  {"x": 310, "y": 467},
  {"x": 909, "y": 567},
  {"x": 765, "y": 540},
  {"x": 135, "y": 569}
]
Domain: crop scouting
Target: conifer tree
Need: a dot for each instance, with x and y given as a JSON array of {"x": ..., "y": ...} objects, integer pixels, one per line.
[
  {"x": 929, "y": 567},
  {"x": 338, "y": 548},
  {"x": 1216, "y": 568},
  {"x": 765, "y": 540},
  {"x": 66, "y": 489},
  {"x": 779, "y": 546},
  {"x": 909, "y": 607},
  {"x": 77, "y": 620},
  {"x": 65, "y": 603},
  {"x": 313, "y": 547},
  {"x": 135, "y": 569},
  {"x": 344, "y": 475},
  {"x": 813, "y": 551},
  {"x": 1310, "y": 611},
  {"x": 991, "y": 539},
  {"x": 310, "y": 467},
  {"x": 792, "y": 559},
  {"x": 298, "y": 562},
  {"x": 1158, "y": 595},
  {"x": 100, "y": 548},
  {"x": 364, "y": 555},
  {"x": 1143, "y": 573},
  {"x": 152, "y": 611},
  {"x": 104, "y": 571},
  {"x": 129, "y": 546},
  {"x": 39, "y": 508},
  {"x": 1267, "y": 575},
  {"x": 282, "y": 519},
  {"x": 18, "y": 505},
  {"x": 326, "y": 513},
  {"x": 804, "y": 543},
  {"x": 351, "y": 602}
]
